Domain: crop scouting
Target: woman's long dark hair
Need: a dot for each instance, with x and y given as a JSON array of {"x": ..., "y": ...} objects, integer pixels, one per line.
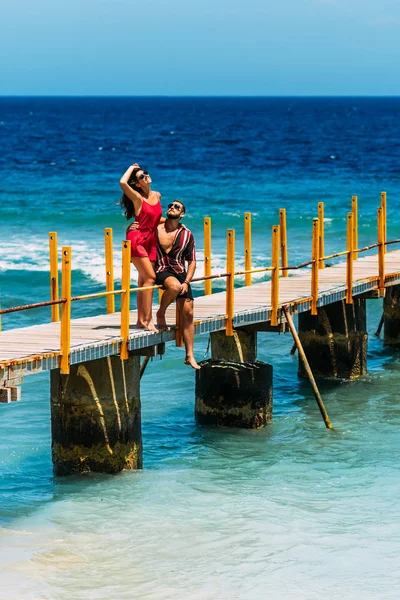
[{"x": 125, "y": 202}]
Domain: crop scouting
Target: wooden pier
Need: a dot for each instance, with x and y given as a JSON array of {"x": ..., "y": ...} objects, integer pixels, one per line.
[
  {"x": 95, "y": 361},
  {"x": 34, "y": 349}
]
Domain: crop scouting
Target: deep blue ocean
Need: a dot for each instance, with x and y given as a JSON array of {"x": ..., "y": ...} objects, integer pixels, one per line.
[{"x": 292, "y": 511}]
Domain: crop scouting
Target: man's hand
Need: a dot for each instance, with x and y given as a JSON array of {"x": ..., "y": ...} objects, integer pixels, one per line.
[
  {"x": 184, "y": 289},
  {"x": 132, "y": 227}
]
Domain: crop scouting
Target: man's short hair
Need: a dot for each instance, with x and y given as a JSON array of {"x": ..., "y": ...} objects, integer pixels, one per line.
[{"x": 183, "y": 206}]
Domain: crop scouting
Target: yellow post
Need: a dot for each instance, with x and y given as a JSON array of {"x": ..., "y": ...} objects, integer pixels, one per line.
[
  {"x": 321, "y": 244},
  {"x": 230, "y": 281},
  {"x": 349, "y": 259},
  {"x": 125, "y": 298},
  {"x": 354, "y": 210},
  {"x": 108, "y": 251},
  {"x": 314, "y": 266},
  {"x": 55, "y": 313},
  {"x": 275, "y": 274},
  {"x": 65, "y": 328},
  {"x": 207, "y": 255},
  {"x": 247, "y": 248},
  {"x": 383, "y": 205},
  {"x": 381, "y": 249},
  {"x": 284, "y": 250}
]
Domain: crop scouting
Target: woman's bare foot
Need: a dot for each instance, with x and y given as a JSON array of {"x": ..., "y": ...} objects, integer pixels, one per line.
[
  {"x": 151, "y": 327},
  {"x": 141, "y": 324},
  {"x": 191, "y": 361}
]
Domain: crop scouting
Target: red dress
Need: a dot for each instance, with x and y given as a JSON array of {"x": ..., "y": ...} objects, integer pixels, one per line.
[{"x": 144, "y": 239}]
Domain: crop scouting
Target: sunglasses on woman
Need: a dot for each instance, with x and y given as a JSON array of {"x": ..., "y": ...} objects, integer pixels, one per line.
[{"x": 143, "y": 175}]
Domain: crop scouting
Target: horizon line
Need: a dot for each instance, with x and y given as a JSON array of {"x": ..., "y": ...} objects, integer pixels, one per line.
[{"x": 199, "y": 96}]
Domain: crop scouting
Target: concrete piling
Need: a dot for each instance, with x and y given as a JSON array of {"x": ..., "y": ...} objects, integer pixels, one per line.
[
  {"x": 391, "y": 317},
  {"x": 96, "y": 416},
  {"x": 5, "y": 395},
  {"x": 234, "y": 394},
  {"x": 335, "y": 340},
  {"x": 242, "y": 346}
]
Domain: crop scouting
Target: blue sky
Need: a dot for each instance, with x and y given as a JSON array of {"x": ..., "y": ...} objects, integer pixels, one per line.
[{"x": 188, "y": 47}]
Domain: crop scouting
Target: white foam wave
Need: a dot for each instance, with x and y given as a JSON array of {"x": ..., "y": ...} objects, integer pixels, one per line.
[
  {"x": 233, "y": 214},
  {"x": 19, "y": 256},
  {"x": 90, "y": 260}
]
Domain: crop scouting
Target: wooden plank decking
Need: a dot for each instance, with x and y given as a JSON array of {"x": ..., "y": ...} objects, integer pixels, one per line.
[{"x": 32, "y": 349}]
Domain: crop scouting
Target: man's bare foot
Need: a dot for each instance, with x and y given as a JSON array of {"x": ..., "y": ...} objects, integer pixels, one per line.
[
  {"x": 141, "y": 324},
  {"x": 191, "y": 361},
  {"x": 161, "y": 322}
]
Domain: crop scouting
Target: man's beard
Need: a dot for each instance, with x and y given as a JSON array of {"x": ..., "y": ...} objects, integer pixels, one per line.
[{"x": 173, "y": 217}]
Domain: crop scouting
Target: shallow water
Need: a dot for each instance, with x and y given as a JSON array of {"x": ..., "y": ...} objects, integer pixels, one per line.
[
  {"x": 287, "y": 511},
  {"x": 290, "y": 511}
]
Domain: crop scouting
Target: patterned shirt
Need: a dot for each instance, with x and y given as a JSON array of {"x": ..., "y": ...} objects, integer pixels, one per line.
[{"x": 183, "y": 249}]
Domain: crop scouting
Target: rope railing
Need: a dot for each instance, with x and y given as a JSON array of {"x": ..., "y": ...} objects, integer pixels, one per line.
[
  {"x": 279, "y": 266},
  {"x": 97, "y": 295},
  {"x": 5, "y": 311},
  {"x": 390, "y": 242},
  {"x": 344, "y": 253},
  {"x": 296, "y": 267}
]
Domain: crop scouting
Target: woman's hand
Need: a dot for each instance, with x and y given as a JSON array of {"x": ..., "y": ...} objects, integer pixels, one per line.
[{"x": 129, "y": 191}]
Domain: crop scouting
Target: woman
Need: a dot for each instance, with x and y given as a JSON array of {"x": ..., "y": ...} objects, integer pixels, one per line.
[{"x": 140, "y": 202}]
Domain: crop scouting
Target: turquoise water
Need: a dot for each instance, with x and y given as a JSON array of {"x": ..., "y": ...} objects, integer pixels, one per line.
[{"x": 290, "y": 511}]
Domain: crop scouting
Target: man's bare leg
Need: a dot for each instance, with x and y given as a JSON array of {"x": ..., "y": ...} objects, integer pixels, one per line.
[
  {"x": 186, "y": 308},
  {"x": 172, "y": 289}
]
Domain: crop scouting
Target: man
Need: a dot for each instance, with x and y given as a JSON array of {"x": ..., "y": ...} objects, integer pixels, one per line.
[{"x": 175, "y": 247}]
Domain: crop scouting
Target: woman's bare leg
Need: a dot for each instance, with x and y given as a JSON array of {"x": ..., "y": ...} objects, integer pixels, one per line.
[
  {"x": 151, "y": 322},
  {"x": 147, "y": 278},
  {"x": 139, "y": 303}
]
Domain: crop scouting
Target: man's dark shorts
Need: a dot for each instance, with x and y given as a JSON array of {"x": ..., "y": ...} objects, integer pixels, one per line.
[{"x": 163, "y": 275}]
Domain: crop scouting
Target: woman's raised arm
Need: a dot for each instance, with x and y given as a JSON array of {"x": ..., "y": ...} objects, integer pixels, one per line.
[{"x": 128, "y": 190}]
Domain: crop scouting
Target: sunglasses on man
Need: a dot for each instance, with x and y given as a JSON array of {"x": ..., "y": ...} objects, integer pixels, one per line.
[{"x": 174, "y": 205}]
